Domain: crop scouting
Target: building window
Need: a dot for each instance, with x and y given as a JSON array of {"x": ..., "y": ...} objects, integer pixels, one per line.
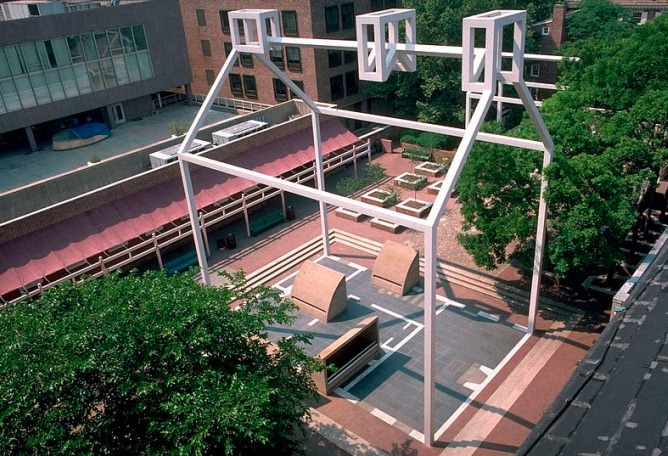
[
  {"x": 349, "y": 56},
  {"x": 289, "y": 23},
  {"x": 347, "y": 16},
  {"x": 240, "y": 24},
  {"x": 299, "y": 84},
  {"x": 224, "y": 21},
  {"x": 210, "y": 77},
  {"x": 228, "y": 51},
  {"x": 276, "y": 57},
  {"x": 280, "y": 90},
  {"x": 246, "y": 59},
  {"x": 336, "y": 87},
  {"x": 331, "y": 19},
  {"x": 250, "y": 89},
  {"x": 294, "y": 58},
  {"x": 206, "y": 48},
  {"x": 235, "y": 85},
  {"x": 66, "y": 67},
  {"x": 352, "y": 86},
  {"x": 334, "y": 57},
  {"x": 377, "y": 5},
  {"x": 201, "y": 17},
  {"x": 545, "y": 31},
  {"x": 534, "y": 70}
]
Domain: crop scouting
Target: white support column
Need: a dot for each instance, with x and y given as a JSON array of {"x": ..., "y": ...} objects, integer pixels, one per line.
[
  {"x": 320, "y": 181},
  {"x": 541, "y": 230},
  {"x": 185, "y": 169},
  {"x": 430, "y": 251},
  {"x": 499, "y": 103},
  {"x": 194, "y": 221}
]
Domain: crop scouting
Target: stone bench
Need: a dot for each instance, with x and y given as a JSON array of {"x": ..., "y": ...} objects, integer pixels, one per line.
[
  {"x": 396, "y": 268},
  {"x": 347, "y": 355}
]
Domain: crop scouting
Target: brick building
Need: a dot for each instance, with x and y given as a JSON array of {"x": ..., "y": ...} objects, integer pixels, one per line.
[{"x": 326, "y": 76}]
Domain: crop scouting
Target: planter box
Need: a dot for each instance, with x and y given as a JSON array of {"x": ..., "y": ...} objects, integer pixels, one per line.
[
  {"x": 385, "y": 225},
  {"x": 411, "y": 181},
  {"x": 349, "y": 215},
  {"x": 434, "y": 188},
  {"x": 430, "y": 169},
  {"x": 414, "y": 207},
  {"x": 378, "y": 197}
]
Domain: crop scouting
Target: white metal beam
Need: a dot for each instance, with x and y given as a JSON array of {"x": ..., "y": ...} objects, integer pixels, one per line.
[
  {"x": 407, "y": 221},
  {"x": 185, "y": 170}
]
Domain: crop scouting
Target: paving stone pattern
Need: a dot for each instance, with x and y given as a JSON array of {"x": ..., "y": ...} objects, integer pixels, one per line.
[{"x": 392, "y": 385}]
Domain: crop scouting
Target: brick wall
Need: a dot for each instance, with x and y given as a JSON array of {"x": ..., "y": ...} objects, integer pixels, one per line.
[{"x": 315, "y": 73}]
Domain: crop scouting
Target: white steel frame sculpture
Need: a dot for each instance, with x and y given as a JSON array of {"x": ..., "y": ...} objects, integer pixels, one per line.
[{"x": 482, "y": 75}]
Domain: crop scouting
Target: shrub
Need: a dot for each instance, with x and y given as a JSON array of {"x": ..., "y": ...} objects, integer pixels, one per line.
[{"x": 432, "y": 141}]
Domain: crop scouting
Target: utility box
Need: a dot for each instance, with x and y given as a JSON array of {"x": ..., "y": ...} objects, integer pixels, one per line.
[
  {"x": 168, "y": 155},
  {"x": 237, "y": 131}
]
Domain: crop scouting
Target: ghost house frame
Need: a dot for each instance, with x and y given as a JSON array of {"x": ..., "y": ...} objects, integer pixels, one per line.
[{"x": 379, "y": 54}]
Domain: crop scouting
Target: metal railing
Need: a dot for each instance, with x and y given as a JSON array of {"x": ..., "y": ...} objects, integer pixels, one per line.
[{"x": 154, "y": 242}]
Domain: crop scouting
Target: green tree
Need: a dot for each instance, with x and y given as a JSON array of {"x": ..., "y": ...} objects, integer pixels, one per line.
[
  {"x": 151, "y": 364},
  {"x": 609, "y": 130}
]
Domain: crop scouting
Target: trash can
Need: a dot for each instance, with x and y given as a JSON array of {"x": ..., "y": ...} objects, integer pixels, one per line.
[
  {"x": 231, "y": 241},
  {"x": 290, "y": 213}
]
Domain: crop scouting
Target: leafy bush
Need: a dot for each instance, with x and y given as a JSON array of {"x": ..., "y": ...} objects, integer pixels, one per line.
[
  {"x": 409, "y": 136},
  {"x": 432, "y": 141},
  {"x": 151, "y": 364},
  {"x": 371, "y": 174}
]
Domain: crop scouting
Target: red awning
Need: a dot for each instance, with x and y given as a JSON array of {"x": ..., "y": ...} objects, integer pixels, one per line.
[{"x": 31, "y": 257}]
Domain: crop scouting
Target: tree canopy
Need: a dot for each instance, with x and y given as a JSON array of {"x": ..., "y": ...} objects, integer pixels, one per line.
[
  {"x": 609, "y": 128},
  {"x": 151, "y": 364}
]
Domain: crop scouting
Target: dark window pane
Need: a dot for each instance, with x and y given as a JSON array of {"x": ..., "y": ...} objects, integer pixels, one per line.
[
  {"x": 349, "y": 56},
  {"x": 351, "y": 83},
  {"x": 246, "y": 59},
  {"x": 250, "y": 90},
  {"x": 347, "y": 16},
  {"x": 294, "y": 58},
  {"x": 206, "y": 48},
  {"x": 210, "y": 77},
  {"x": 331, "y": 19},
  {"x": 228, "y": 51},
  {"x": 280, "y": 90},
  {"x": 334, "y": 58},
  {"x": 224, "y": 21},
  {"x": 336, "y": 87},
  {"x": 290, "y": 23},
  {"x": 201, "y": 17},
  {"x": 235, "y": 85},
  {"x": 276, "y": 56},
  {"x": 299, "y": 84}
]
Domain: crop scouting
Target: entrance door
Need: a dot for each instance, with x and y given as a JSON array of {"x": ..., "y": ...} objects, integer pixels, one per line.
[{"x": 117, "y": 112}]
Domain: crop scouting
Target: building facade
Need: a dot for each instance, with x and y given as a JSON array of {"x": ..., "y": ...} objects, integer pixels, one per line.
[
  {"x": 104, "y": 64},
  {"x": 326, "y": 76}
]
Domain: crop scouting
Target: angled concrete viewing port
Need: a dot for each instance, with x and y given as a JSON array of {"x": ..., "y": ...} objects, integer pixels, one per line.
[
  {"x": 397, "y": 268},
  {"x": 320, "y": 291},
  {"x": 482, "y": 78}
]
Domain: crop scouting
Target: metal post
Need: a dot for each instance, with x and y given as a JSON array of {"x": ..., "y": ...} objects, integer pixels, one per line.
[
  {"x": 157, "y": 251},
  {"x": 320, "y": 181},
  {"x": 429, "y": 343},
  {"x": 205, "y": 235}
]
